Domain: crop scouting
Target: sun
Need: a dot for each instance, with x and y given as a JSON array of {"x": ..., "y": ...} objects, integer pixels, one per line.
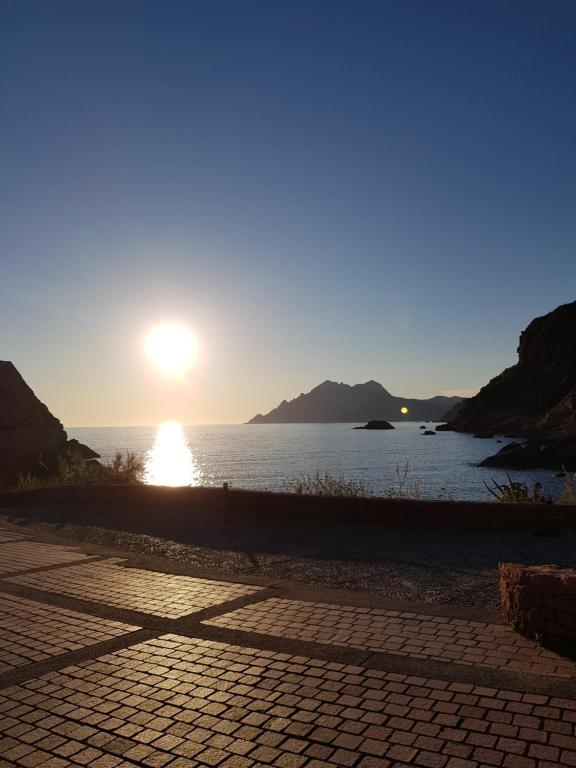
[
  {"x": 172, "y": 348},
  {"x": 404, "y": 410}
]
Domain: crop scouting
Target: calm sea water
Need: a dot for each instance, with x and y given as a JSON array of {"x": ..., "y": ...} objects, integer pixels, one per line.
[{"x": 270, "y": 456}]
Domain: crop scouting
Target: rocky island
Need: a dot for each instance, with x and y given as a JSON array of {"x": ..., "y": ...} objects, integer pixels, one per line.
[{"x": 376, "y": 424}]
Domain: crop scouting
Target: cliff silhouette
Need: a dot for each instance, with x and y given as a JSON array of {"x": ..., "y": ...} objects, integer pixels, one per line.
[
  {"x": 32, "y": 440},
  {"x": 535, "y": 398}
]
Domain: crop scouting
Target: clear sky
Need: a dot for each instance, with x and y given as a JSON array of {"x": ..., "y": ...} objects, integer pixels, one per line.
[{"x": 346, "y": 190}]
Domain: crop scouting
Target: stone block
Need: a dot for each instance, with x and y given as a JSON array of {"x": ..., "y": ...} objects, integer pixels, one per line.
[{"x": 539, "y": 601}]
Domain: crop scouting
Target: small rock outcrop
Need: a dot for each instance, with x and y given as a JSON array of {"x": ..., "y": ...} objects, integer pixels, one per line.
[
  {"x": 429, "y": 432},
  {"x": 376, "y": 424},
  {"x": 550, "y": 454},
  {"x": 536, "y": 397},
  {"x": 32, "y": 440},
  {"x": 79, "y": 449}
]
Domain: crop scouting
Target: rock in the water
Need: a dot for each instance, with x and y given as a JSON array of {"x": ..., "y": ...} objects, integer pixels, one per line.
[
  {"x": 555, "y": 454},
  {"x": 444, "y": 428},
  {"x": 86, "y": 453},
  {"x": 484, "y": 435},
  {"x": 422, "y": 427},
  {"x": 376, "y": 424},
  {"x": 32, "y": 440},
  {"x": 429, "y": 432}
]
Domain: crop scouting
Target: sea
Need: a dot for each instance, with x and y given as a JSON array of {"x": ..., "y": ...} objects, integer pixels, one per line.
[{"x": 274, "y": 456}]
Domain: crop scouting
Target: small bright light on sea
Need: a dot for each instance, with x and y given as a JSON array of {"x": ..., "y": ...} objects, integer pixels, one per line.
[
  {"x": 170, "y": 460},
  {"x": 404, "y": 410},
  {"x": 172, "y": 348}
]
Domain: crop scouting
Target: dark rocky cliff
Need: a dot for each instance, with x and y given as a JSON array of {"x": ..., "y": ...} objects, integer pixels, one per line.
[
  {"x": 31, "y": 438},
  {"x": 333, "y": 402},
  {"x": 536, "y": 398}
]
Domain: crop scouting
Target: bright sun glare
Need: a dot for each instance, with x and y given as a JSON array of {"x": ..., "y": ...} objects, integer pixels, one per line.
[
  {"x": 404, "y": 410},
  {"x": 172, "y": 348},
  {"x": 170, "y": 462}
]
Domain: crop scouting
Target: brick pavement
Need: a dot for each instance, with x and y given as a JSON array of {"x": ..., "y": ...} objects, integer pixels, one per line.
[
  {"x": 180, "y": 698},
  {"x": 23, "y": 555},
  {"x": 159, "y": 594},
  {"x": 31, "y": 632},
  {"x": 180, "y": 701},
  {"x": 398, "y": 632}
]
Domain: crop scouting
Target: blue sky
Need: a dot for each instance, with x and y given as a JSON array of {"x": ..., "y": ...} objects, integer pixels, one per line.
[{"x": 345, "y": 190}]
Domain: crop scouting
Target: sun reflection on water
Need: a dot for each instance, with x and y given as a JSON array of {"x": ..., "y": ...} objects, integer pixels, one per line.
[{"x": 170, "y": 460}]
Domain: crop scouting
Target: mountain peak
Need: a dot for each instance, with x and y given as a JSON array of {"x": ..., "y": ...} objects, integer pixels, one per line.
[
  {"x": 373, "y": 385},
  {"x": 333, "y": 401}
]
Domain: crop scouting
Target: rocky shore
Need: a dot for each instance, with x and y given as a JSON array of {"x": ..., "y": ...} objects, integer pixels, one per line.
[
  {"x": 32, "y": 440},
  {"x": 534, "y": 399}
]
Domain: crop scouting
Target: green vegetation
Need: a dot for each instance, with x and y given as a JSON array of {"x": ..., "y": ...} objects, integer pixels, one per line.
[
  {"x": 519, "y": 493},
  {"x": 73, "y": 469}
]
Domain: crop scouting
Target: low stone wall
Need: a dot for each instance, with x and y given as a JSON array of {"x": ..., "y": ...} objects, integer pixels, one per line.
[
  {"x": 156, "y": 510},
  {"x": 540, "y": 601}
]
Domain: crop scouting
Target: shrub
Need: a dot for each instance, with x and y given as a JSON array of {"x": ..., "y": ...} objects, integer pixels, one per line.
[
  {"x": 29, "y": 482},
  {"x": 125, "y": 469},
  {"x": 73, "y": 469},
  {"x": 519, "y": 493},
  {"x": 328, "y": 485}
]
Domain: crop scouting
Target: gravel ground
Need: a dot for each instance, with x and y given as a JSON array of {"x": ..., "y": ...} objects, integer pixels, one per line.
[{"x": 435, "y": 566}]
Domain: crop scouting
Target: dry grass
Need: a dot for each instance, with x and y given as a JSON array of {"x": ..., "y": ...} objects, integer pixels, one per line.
[{"x": 327, "y": 484}]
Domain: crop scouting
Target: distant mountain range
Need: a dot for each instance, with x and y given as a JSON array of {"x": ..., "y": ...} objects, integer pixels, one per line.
[{"x": 333, "y": 402}]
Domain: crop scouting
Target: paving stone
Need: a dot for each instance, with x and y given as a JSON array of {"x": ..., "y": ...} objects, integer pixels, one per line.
[
  {"x": 177, "y": 681},
  {"x": 429, "y": 637},
  {"x": 159, "y": 594},
  {"x": 8, "y": 536},
  {"x": 181, "y": 702},
  {"x": 31, "y": 632},
  {"x": 22, "y": 555}
]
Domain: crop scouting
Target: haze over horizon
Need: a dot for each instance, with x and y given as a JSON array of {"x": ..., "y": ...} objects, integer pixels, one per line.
[{"x": 319, "y": 190}]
